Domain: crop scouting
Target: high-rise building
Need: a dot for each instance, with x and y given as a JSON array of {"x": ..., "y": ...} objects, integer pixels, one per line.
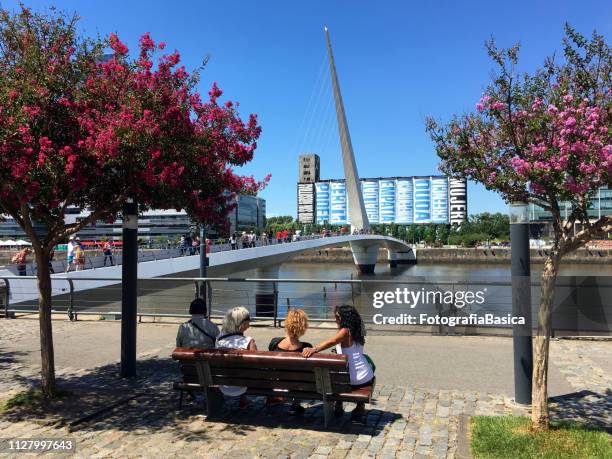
[{"x": 309, "y": 168}]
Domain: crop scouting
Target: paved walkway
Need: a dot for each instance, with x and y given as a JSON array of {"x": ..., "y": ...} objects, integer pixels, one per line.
[{"x": 109, "y": 417}]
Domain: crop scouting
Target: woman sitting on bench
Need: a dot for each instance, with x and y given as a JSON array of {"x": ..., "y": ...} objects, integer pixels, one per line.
[
  {"x": 349, "y": 340},
  {"x": 236, "y": 322},
  {"x": 296, "y": 324},
  {"x": 198, "y": 332}
]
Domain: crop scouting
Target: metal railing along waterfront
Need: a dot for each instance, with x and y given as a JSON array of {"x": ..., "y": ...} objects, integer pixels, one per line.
[{"x": 582, "y": 304}]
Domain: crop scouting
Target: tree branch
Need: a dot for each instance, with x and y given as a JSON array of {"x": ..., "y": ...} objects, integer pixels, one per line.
[{"x": 600, "y": 227}]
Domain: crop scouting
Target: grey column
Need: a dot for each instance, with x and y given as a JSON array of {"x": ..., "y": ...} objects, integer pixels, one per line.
[
  {"x": 521, "y": 306},
  {"x": 129, "y": 289}
]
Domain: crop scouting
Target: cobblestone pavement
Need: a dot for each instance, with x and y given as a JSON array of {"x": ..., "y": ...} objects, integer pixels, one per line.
[{"x": 109, "y": 417}]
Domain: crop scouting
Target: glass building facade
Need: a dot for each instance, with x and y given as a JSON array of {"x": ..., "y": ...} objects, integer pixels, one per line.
[
  {"x": 599, "y": 206},
  {"x": 167, "y": 224}
]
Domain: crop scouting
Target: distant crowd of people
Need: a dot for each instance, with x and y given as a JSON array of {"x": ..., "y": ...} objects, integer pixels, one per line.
[{"x": 189, "y": 244}]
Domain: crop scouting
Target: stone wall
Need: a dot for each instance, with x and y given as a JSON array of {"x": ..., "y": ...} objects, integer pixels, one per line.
[{"x": 459, "y": 255}]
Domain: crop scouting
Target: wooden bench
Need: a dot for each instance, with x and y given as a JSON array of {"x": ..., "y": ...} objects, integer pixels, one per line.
[{"x": 322, "y": 377}]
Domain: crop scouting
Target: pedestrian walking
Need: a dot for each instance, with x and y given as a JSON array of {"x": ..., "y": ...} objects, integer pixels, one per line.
[
  {"x": 279, "y": 236},
  {"x": 233, "y": 241},
  {"x": 195, "y": 245},
  {"x": 21, "y": 259},
  {"x": 107, "y": 250},
  {"x": 79, "y": 255},
  {"x": 70, "y": 253}
]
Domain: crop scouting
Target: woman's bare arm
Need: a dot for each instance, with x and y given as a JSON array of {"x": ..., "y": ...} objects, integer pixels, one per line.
[
  {"x": 336, "y": 339},
  {"x": 252, "y": 345}
]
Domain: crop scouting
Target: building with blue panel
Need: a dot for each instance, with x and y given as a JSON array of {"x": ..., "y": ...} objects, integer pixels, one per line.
[
  {"x": 337, "y": 203},
  {"x": 369, "y": 188},
  {"x": 404, "y": 205},
  {"x": 386, "y": 201},
  {"x": 401, "y": 200},
  {"x": 322, "y": 202},
  {"x": 422, "y": 200},
  {"x": 439, "y": 200}
]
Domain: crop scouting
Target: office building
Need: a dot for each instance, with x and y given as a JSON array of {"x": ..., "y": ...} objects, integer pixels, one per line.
[
  {"x": 309, "y": 168},
  {"x": 156, "y": 225}
]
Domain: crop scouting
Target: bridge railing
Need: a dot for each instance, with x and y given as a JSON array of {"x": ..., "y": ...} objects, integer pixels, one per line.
[
  {"x": 582, "y": 305},
  {"x": 100, "y": 261}
]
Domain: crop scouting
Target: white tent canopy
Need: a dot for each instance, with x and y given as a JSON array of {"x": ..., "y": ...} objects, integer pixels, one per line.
[
  {"x": 8, "y": 242},
  {"x": 22, "y": 242}
]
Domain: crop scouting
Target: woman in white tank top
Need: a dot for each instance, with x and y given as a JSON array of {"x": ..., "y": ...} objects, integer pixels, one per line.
[
  {"x": 232, "y": 336},
  {"x": 349, "y": 340}
]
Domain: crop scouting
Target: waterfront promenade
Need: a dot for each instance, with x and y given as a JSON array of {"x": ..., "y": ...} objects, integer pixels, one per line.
[{"x": 425, "y": 386}]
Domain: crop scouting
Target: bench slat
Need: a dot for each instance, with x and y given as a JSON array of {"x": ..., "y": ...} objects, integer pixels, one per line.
[
  {"x": 260, "y": 359},
  {"x": 276, "y": 374},
  {"x": 305, "y": 366},
  {"x": 261, "y": 384}
]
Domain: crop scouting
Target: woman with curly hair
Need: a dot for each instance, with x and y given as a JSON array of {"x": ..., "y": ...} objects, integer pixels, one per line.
[
  {"x": 349, "y": 340},
  {"x": 296, "y": 324}
]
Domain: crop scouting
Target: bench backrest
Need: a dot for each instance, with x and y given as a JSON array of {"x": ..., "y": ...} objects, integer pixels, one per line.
[{"x": 321, "y": 373}]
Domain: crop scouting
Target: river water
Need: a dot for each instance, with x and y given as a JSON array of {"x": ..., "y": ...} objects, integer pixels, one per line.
[{"x": 319, "y": 299}]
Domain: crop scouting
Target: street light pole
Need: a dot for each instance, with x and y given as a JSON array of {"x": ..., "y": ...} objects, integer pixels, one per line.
[
  {"x": 129, "y": 289},
  {"x": 203, "y": 261},
  {"x": 521, "y": 302}
]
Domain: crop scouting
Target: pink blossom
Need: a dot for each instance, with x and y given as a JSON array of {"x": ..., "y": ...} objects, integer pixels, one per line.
[
  {"x": 571, "y": 121},
  {"x": 498, "y": 105},
  {"x": 117, "y": 46}
]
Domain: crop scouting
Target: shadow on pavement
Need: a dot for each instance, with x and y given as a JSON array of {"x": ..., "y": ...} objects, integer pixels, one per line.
[
  {"x": 99, "y": 400},
  {"x": 586, "y": 407}
]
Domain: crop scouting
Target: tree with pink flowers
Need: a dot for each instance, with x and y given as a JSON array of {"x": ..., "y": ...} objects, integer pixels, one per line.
[
  {"x": 544, "y": 139},
  {"x": 82, "y": 128}
]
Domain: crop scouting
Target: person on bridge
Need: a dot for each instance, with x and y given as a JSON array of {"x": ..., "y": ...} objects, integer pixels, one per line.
[
  {"x": 279, "y": 236},
  {"x": 79, "y": 255},
  {"x": 349, "y": 340},
  {"x": 20, "y": 259},
  {"x": 233, "y": 241},
  {"x": 70, "y": 253},
  {"x": 235, "y": 323},
  {"x": 198, "y": 331},
  {"x": 107, "y": 250}
]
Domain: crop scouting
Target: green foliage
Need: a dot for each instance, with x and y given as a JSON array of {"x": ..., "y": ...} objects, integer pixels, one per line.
[
  {"x": 494, "y": 437},
  {"x": 30, "y": 398},
  {"x": 280, "y": 220}
]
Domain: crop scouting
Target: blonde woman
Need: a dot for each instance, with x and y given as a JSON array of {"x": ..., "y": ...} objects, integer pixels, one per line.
[{"x": 296, "y": 324}]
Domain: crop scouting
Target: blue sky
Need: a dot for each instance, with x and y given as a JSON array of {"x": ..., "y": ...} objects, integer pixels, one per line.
[{"x": 397, "y": 61}]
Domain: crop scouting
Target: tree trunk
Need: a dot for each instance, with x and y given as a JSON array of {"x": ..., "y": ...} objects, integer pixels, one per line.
[
  {"x": 539, "y": 391},
  {"x": 44, "y": 314}
]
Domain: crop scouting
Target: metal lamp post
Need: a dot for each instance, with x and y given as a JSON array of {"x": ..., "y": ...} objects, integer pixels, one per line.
[
  {"x": 129, "y": 289},
  {"x": 521, "y": 301},
  {"x": 203, "y": 261}
]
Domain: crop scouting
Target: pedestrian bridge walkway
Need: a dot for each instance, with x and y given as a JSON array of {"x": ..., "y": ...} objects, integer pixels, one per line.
[{"x": 222, "y": 260}]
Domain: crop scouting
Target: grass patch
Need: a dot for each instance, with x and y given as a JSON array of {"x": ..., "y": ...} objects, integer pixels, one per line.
[
  {"x": 31, "y": 398},
  {"x": 494, "y": 437}
]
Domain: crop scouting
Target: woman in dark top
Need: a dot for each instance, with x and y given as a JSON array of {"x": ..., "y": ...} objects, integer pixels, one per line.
[{"x": 296, "y": 324}]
